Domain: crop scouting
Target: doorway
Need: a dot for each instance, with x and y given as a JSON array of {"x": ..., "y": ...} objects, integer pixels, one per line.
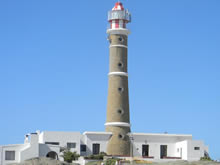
[
  {"x": 96, "y": 149},
  {"x": 52, "y": 155},
  {"x": 163, "y": 151},
  {"x": 145, "y": 150}
]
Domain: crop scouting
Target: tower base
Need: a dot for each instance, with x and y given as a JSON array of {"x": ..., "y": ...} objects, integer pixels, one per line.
[{"x": 119, "y": 144}]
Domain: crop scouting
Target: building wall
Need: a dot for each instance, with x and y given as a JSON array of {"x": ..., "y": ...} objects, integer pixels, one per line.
[
  {"x": 29, "y": 152},
  {"x": 95, "y": 138},
  {"x": 155, "y": 141},
  {"x": 15, "y": 148},
  {"x": 154, "y": 149},
  {"x": 33, "y": 148},
  {"x": 44, "y": 149},
  {"x": 63, "y": 138},
  {"x": 164, "y": 138},
  {"x": 1, "y": 156},
  {"x": 195, "y": 154},
  {"x": 181, "y": 148}
]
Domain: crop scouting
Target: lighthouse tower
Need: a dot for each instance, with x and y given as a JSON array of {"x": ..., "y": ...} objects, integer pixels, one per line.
[{"x": 118, "y": 119}]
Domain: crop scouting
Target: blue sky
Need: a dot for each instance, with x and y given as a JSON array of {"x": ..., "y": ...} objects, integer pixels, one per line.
[{"x": 54, "y": 66}]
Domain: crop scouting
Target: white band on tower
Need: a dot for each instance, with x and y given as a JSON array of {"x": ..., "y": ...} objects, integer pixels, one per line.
[
  {"x": 120, "y": 124},
  {"x": 118, "y": 74},
  {"x": 123, "y": 46},
  {"x": 122, "y": 31}
]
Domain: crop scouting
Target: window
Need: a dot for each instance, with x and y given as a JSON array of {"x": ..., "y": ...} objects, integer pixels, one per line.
[
  {"x": 83, "y": 148},
  {"x": 120, "y": 111},
  {"x": 121, "y": 39},
  {"x": 71, "y": 145},
  {"x": 53, "y": 143},
  {"x": 163, "y": 151},
  {"x": 9, "y": 155},
  {"x": 120, "y": 65},
  {"x": 196, "y": 148},
  {"x": 96, "y": 149},
  {"x": 120, "y": 89},
  {"x": 120, "y": 136}
]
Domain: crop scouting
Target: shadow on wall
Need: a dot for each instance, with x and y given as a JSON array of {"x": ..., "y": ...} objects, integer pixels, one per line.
[{"x": 49, "y": 151}]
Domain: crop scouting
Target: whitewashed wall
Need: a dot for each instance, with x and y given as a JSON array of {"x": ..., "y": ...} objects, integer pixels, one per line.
[
  {"x": 15, "y": 148},
  {"x": 32, "y": 149},
  {"x": 44, "y": 149},
  {"x": 1, "y": 158},
  {"x": 195, "y": 154},
  {"x": 155, "y": 141},
  {"x": 182, "y": 145},
  {"x": 100, "y": 138},
  {"x": 63, "y": 138},
  {"x": 35, "y": 147}
]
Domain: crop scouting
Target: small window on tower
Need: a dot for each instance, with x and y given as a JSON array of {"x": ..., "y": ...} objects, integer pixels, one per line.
[
  {"x": 120, "y": 65},
  {"x": 120, "y": 136},
  {"x": 120, "y": 111},
  {"x": 121, "y": 39},
  {"x": 120, "y": 89}
]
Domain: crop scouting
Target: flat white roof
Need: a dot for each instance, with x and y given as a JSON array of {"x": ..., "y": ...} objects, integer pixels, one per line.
[
  {"x": 59, "y": 132},
  {"x": 13, "y": 145},
  {"x": 132, "y": 133},
  {"x": 160, "y": 134},
  {"x": 97, "y": 133}
]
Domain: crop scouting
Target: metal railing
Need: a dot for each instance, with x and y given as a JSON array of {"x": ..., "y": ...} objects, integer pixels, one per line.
[{"x": 119, "y": 14}]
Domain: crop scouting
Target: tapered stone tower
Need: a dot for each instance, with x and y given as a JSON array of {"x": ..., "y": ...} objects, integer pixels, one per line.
[{"x": 118, "y": 120}]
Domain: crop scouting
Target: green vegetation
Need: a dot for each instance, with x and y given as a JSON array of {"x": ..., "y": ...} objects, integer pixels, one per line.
[
  {"x": 206, "y": 157},
  {"x": 100, "y": 156},
  {"x": 110, "y": 161},
  {"x": 69, "y": 156},
  {"x": 94, "y": 163}
]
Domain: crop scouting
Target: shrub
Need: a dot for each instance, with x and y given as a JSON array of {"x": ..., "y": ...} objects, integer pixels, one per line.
[
  {"x": 100, "y": 156},
  {"x": 69, "y": 156},
  {"x": 206, "y": 157},
  {"x": 110, "y": 162}
]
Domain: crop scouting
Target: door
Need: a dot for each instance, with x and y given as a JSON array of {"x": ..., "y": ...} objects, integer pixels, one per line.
[
  {"x": 163, "y": 151},
  {"x": 145, "y": 150},
  {"x": 96, "y": 149}
]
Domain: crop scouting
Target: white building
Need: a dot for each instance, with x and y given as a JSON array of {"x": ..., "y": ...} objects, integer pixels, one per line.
[{"x": 153, "y": 147}]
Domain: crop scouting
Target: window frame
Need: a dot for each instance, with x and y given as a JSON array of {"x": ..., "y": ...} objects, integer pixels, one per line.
[
  {"x": 96, "y": 148},
  {"x": 196, "y": 148},
  {"x": 10, "y": 157},
  {"x": 82, "y": 147},
  {"x": 71, "y": 145},
  {"x": 53, "y": 143}
]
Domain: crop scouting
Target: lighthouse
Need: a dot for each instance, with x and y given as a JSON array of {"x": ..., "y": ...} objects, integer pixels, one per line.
[{"x": 118, "y": 118}]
